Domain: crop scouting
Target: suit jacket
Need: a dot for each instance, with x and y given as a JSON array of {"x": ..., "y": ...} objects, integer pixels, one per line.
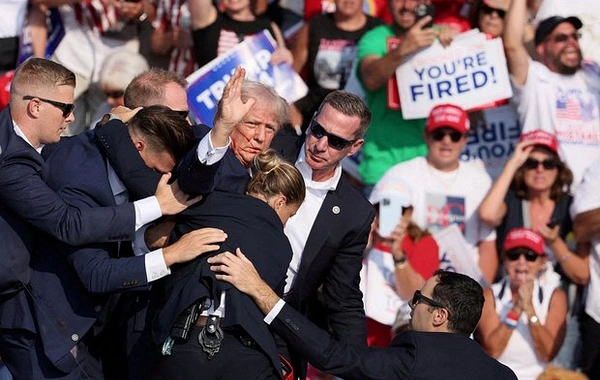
[
  {"x": 411, "y": 355},
  {"x": 26, "y": 200},
  {"x": 258, "y": 231}
]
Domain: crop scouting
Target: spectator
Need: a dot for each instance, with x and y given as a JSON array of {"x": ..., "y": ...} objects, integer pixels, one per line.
[
  {"x": 444, "y": 313},
  {"x": 11, "y": 23},
  {"x": 391, "y": 139},
  {"x": 447, "y": 191},
  {"x": 410, "y": 254},
  {"x": 558, "y": 94},
  {"x": 524, "y": 317},
  {"x": 118, "y": 70},
  {"x": 215, "y": 32},
  {"x": 326, "y": 48}
]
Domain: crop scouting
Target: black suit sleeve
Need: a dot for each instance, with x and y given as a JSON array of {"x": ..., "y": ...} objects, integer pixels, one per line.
[
  {"x": 23, "y": 191},
  {"x": 339, "y": 358},
  {"x": 341, "y": 289}
]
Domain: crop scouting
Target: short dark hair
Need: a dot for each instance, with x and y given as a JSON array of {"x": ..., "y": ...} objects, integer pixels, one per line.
[
  {"x": 560, "y": 187},
  {"x": 164, "y": 130},
  {"x": 148, "y": 88},
  {"x": 462, "y": 297},
  {"x": 350, "y": 105}
]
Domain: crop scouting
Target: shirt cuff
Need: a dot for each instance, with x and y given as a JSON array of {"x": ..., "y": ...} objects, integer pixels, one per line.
[
  {"x": 209, "y": 155},
  {"x": 274, "y": 312},
  {"x": 146, "y": 211},
  {"x": 139, "y": 242},
  {"x": 155, "y": 265}
]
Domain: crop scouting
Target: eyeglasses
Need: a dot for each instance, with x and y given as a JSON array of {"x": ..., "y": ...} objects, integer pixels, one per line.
[
  {"x": 114, "y": 94},
  {"x": 66, "y": 108},
  {"x": 561, "y": 37},
  {"x": 548, "y": 163},
  {"x": 514, "y": 254},
  {"x": 438, "y": 135},
  {"x": 334, "y": 141},
  {"x": 489, "y": 10},
  {"x": 419, "y": 297}
]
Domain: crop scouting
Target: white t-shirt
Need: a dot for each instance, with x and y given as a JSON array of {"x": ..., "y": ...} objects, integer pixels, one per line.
[
  {"x": 567, "y": 106},
  {"x": 440, "y": 199},
  {"x": 587, "y": 198}
]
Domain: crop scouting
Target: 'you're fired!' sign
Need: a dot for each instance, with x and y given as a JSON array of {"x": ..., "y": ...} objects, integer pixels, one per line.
[{"x": 470, "y": 73}]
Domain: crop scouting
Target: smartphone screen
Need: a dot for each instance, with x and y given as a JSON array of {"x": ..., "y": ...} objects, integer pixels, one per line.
[{"x": 390, "y": 213}]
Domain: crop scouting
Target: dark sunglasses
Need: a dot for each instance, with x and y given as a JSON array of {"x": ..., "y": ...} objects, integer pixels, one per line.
[
  {"x": 419, "y": 297},
  {"x": 438, "y": 135},
  {"x": 561, "y": 37},
  {"x": 334, "y": 141},
  {"x": 114, "y": 94},
  {"x": 489, "y": 10},
  {"x": 66, "y": 108},
  {"x": 548, "y": 163},
  {"x": 514, "y": 254}
]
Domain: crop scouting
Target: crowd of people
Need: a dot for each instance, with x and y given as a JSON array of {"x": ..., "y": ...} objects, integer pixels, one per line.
[{"x": 138, "y": 244}]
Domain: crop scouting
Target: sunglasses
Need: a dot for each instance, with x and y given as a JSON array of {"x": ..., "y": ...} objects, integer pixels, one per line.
[
  {"x": 114, "y": 94},
  {"x": 561, "y": 37},
  {"x": 548, "y": 163},
  {"x": 438, "y": 135},
  {"x": 66, "y": 108},
  {"x": 489, "y": 10},
  {"x": 419, "y": 297},
  {"x": 334, "y": 141},
  {"x": 514, "y": 254}
]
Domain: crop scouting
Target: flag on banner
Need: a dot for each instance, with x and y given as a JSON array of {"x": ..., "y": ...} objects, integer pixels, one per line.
[{"x": 254, "y": 54}]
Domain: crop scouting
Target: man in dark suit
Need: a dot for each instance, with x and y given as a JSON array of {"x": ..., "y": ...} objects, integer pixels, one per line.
[
  {"x": 41, "y": 105},
  {"x": 437, "y": 346},
  {"x": 78, "y": 279}
]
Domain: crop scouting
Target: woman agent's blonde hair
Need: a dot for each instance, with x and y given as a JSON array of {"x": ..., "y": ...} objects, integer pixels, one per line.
[{"x": 271, "y": 175}]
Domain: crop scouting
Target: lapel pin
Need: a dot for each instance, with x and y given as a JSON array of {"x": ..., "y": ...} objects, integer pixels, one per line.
[{"x": 336, "y": 210}]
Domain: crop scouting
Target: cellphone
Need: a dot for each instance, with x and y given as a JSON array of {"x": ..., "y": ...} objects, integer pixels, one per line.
[
  {"x": 423, "y": 10},
  {"x": 390, "y": 213}
]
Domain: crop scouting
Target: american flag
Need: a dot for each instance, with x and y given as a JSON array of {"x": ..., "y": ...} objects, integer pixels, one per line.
[
  {"x": 568, "y": 108},
  {"x": 95, "y": 14}
]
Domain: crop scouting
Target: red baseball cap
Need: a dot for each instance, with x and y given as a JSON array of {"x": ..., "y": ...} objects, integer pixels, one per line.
[
  {"x": 542, "y": 138},
  {"x": 526, "y": 238},
  {"x": 448, "y": 116}
]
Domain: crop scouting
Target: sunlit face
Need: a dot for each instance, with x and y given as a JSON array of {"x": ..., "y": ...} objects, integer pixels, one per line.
[
  {"x": 162, "y": 162},
  {"x": 491, "y": 23},
  {"x": 563, "y": 57},
  {"x": 403, "y": 12},
  {"x": 421, "y": 314},
  {"x": 254, "y": 134},
  {"x": 320, "y": 156},
  {"x": 521, "y": 270},
  {"x": 54, "y": 123},
  {"x": 348, "y": 8},
  {"x": 443, "y": 154},
  {"x": 540, "y": 179}
]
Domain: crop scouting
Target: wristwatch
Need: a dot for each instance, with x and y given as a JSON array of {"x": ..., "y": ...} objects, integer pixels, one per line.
[
  {"x": 534, "y": 320},
  {"x": 401, "y": 262}
]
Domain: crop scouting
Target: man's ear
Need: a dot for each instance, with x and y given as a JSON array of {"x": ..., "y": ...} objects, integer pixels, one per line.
[
  {"x": 356, "y": 146},
  {"x": 440, "y": 316}
]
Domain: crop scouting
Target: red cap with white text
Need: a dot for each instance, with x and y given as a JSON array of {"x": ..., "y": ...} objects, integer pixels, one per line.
[
  {"x": 542, "y": 138},
  {"x": 449, "y": 116},
  {"x": 524, "y": 238}
]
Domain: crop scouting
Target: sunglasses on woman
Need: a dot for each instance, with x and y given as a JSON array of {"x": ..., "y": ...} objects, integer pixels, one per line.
[
  {"x": 489, "y": 10},
  {"x": 438, "y": 135},
  {"x": 514, "y": 254},
  {"x": 334, "y": 141},
  {"x": 548, "y": 163}
]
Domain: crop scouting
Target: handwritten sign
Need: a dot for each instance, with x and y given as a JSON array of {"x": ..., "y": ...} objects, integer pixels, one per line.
[
  {"x": 254, "y": 54},
  {"x": 470, "y": 73}
]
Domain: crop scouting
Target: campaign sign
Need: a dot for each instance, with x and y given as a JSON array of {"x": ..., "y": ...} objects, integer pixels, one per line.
[
  {"x": 56, "y": 32},
  {"x": 453, "y": 254},
  {"x": 444, "y": 210},
  {"x": 469, "y": 73},
  {"x": 494, "y": 142},
  {"x": 254, "y": 54}
]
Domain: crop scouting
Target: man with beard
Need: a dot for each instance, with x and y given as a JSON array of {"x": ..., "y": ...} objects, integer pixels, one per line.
[{"x": 560, "y": 94}]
